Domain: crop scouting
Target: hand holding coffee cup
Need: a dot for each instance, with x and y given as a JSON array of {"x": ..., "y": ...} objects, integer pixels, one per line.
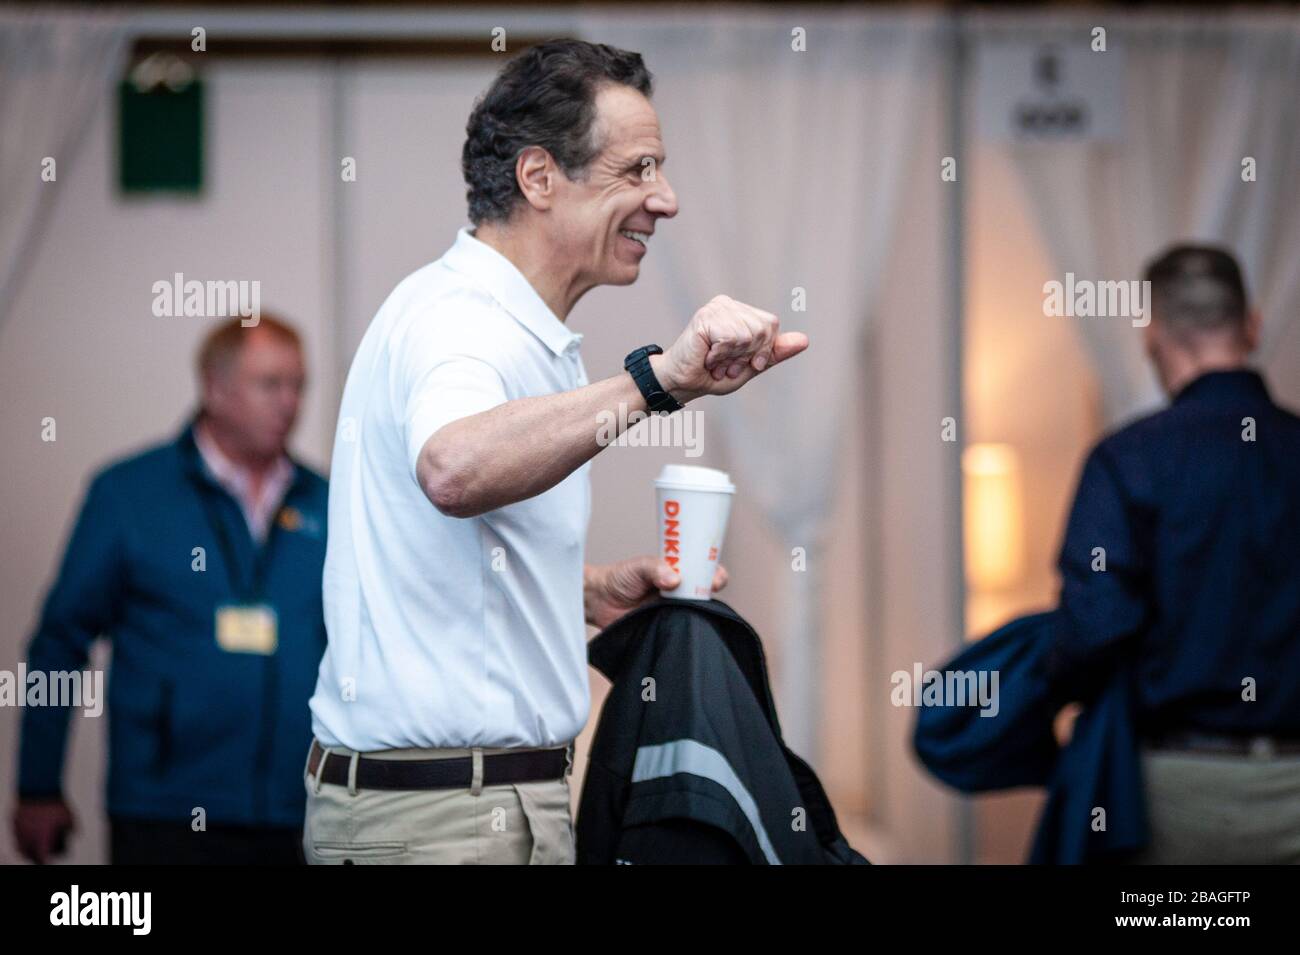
[
  {"x": 612, "y": 590},
  {"x": 692, "y": 506},
  {"x": 725, "y": 345}
]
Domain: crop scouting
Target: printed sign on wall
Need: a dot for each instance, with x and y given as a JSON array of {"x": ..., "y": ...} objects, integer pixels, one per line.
[{"x": 1049, "y": 90}]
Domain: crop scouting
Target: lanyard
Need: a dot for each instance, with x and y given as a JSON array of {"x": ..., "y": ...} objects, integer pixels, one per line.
[{"x": 254, "y": 592}]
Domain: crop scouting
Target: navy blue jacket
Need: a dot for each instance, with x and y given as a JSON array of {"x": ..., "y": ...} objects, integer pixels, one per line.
[
  {"x": 190, "y": 724},
  {"x": 1099, "y": 768},
  {"x": 1195, "y": 511}
]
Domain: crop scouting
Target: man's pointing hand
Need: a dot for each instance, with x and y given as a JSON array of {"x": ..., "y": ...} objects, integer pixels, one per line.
[{"x": 725, "y": 345}]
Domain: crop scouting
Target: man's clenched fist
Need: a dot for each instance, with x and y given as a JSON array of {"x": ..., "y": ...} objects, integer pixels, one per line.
[
  {"x": 41, "y": 828},
  {"x": 726, "y": 344}
]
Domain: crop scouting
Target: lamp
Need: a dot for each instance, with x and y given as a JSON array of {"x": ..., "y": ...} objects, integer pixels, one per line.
[{"x": 993, "y": 502}]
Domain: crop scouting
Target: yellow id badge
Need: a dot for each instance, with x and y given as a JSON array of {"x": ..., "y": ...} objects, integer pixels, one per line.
[{"x": 247, "y": 628}]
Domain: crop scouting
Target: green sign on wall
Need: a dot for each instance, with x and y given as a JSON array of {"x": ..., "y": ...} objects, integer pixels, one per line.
[{"x": 160, "y": 142}]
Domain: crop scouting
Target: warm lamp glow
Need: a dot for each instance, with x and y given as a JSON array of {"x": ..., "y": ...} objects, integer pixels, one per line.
[{"x": 994, "y": 516}]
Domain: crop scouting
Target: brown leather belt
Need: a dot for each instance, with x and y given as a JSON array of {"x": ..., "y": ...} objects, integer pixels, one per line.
[
  {"x": 1195, "y": 741},
  {"x": 455, "y": 772}
]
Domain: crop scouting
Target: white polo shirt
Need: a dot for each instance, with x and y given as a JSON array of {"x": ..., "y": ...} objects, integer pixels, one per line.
[{"x": 443, "y": 631}]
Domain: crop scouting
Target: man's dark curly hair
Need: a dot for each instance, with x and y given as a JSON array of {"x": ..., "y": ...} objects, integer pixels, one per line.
[{"x": 546, "y": 96}]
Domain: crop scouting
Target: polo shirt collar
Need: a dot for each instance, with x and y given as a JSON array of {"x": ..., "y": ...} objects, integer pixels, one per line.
[
  {"x": 505, "y": 283},
  {"x": 192, "y": 460}
]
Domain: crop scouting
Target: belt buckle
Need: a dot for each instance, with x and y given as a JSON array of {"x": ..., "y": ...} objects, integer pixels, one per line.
[{"x": 568, "y": 760}]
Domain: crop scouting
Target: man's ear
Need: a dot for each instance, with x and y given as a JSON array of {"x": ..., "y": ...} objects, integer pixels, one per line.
[
  {"x": 212, "y": 389},
  {"x": 1151, "y": 339},
  {"x": 1156, "y": 339},
  {"x": 1251, "y": 328},
  {"x": 535, "y": 172}
]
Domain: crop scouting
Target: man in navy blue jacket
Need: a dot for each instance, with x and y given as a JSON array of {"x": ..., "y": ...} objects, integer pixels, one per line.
[
  {"x": 200, "y": 559},
  {"x": 1180, "y": 561}
]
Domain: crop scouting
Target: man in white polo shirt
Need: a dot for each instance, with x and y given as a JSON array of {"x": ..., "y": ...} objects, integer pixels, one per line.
[{"x": 456, "y": 595}]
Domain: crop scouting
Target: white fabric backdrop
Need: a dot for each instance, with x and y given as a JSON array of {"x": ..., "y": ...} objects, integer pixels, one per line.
[
  {"x": 794, "y": 158},
  {"x": 54, "y": 69},
  {"x": 1202, "y": 93}
]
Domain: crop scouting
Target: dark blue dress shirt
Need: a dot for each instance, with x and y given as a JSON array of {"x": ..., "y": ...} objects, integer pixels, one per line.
[{"x": 1182, "y": 556}]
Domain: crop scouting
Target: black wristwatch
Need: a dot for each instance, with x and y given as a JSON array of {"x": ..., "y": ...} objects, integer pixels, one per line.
[{"x": 638, "y": 366}]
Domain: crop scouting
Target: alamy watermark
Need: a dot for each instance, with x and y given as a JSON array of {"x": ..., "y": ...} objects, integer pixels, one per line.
[
  {"x": 1084, "y": 298},
  {"x": 679, "y": 430},
  {"x": 133, "y": 910},
  {"x": 924, "y": 687},
  {"x": 182, "y": 298},
  {"x": 79, "y": 688}
]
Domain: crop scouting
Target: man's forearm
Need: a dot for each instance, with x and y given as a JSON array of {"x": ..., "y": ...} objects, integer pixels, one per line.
[{"x": 521, "y": 448}]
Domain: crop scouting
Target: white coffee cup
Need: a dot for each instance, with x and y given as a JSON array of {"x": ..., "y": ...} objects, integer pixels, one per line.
[{"x": 692, "y": 506}]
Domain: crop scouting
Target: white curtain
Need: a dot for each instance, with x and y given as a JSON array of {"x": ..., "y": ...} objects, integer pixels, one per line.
[
  {"x": 791, "y": 162},
  {"x": 55, "y": 70},
  {"x": 1202, "y": 93}
]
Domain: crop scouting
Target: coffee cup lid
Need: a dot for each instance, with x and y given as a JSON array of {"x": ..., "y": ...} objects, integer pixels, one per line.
[{"x": 689, "y": 476}]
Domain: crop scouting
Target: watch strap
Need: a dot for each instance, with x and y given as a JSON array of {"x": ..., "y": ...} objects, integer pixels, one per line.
[{"x": 638, "y": 366}]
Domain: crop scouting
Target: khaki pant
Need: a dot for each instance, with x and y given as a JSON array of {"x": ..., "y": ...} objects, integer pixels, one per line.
[
  {"x": 1212, "y": 809},
  {"x": 484, "y": 825}
]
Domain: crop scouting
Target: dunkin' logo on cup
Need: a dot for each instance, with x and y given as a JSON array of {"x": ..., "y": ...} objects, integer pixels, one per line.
[
  {"x": 672, "y": 534},
  {"x": 693, "y": 507}
]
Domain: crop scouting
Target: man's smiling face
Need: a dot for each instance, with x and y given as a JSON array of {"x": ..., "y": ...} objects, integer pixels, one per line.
[{"x": 604, "y": 221}]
